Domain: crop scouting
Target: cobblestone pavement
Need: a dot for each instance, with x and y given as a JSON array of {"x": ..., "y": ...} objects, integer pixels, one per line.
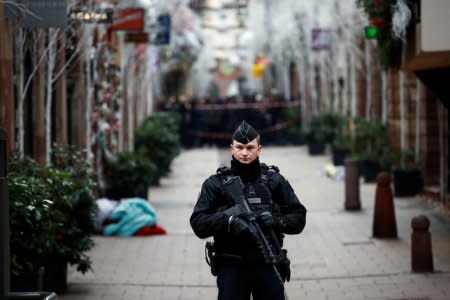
[{"x": 334, "y": 258}]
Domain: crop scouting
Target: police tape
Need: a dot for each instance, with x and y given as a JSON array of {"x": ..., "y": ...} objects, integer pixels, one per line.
[
  {"x": 255, "y": 105},
  {"x": 227, "y": 136}
]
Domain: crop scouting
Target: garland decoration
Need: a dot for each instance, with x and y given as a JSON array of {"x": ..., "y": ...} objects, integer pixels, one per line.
[{"x": 381, "y": 14}]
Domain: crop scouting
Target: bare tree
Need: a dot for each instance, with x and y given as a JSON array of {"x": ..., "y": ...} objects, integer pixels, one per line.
[{"x": 48, "y": 56}]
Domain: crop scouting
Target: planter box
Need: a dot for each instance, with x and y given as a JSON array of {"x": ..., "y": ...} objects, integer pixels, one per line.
[
  {"x": 29, "y": 282},
  {"x": 55, "y": 275},
  {"x": 339, "y": 156},
  {"x": 369, "y": 171},
  {"x": 407, "y": 182},
  {"x": 315, "y": 148}
]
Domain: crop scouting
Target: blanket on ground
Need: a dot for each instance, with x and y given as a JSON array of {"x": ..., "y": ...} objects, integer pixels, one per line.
[{"x": 130, "y": 216}]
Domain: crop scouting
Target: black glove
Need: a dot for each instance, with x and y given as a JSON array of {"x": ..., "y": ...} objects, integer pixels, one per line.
[
  {"x": 239, "y": 226},
  {"x": 271, "y": 221}
]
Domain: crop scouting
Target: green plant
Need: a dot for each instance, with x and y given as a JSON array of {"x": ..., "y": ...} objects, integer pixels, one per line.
[
  {"x": 342, "y": 143},
  {"x": 32, "y": 220},
  {"x": 380, "y": 14},
  {"x": 128, "y": 174},
  {"x": 342, "y": 140},
  {"x": 50, "y": 216},
  {"x": 404, "y": 159},
  {"x": 371, "y": 142},
  {"x": 77, "y": 206},
  {"x": 322, "y": 127},
  {"x": 157, "y": 138}
]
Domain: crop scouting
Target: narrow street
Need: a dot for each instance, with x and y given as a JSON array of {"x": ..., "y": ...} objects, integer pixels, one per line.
[{"x": 334, "y": 258}]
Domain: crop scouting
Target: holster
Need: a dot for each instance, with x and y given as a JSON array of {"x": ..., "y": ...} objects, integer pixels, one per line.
[{"x": 210, "y": 257}]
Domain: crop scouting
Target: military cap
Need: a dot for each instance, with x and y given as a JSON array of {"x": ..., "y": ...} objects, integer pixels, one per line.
[{"x": 245, "y": 133}]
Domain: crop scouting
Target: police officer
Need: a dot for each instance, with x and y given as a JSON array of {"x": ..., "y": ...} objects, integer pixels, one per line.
[{"x": 236, "y": 256}]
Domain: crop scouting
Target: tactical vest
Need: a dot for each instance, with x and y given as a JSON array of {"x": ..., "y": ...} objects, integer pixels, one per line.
[{"x": 257, "y": 192}]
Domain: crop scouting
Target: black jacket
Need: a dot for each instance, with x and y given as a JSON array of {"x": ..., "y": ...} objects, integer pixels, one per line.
[{"x": 208, "y": 220}]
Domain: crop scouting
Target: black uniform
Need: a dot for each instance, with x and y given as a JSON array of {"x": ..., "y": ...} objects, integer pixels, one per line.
[{"x": 241, "y": 268}]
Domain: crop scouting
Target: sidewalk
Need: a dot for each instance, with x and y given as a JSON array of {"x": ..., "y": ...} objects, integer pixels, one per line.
[{"x": 334, "y": 258}]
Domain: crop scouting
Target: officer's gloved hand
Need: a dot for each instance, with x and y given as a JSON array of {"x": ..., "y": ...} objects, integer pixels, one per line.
[
  {"x": 238, "y": 225},
  {"x": 270, "y": 221}
]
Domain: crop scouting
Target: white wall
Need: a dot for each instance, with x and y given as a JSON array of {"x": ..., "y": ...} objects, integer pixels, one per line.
[{"x": 435, "y": 25}]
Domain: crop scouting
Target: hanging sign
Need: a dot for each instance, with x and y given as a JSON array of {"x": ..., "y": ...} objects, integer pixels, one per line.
[
  {"x": 128, "y": 19},
  {"x": 136, "y": 37},
  {"x": 162, "y": 35},
  {"x": 321, "y": 39},
  {"x": 38, "y": 13}
]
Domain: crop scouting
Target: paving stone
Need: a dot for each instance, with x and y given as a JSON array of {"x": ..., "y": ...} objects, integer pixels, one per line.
[{"x": 334, "y": 258}]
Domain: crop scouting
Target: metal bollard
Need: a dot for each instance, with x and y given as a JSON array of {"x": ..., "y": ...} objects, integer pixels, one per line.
[
  {"x": 352, "y": 200},
  {"x": 421, "y": 252},
  {"x": 384, "y": 224}
]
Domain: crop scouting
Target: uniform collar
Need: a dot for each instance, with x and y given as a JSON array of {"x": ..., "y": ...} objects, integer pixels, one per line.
[{"x": 247, "y": 172}]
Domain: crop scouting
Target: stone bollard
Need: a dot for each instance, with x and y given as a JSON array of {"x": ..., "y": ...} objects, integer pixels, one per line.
[
  {"x": 384, "y": 224},
  {"x": 352, "y": 201},
  {"x": 421, "y": 253}
]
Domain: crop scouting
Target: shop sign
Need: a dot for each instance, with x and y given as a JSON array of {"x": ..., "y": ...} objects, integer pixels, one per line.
[
  {"x": 162, "y": 30},
  {"x": 136, "y": 37},
  {"x": 85, "y": 15},
  {"x": 128, "y": 19},
  {"x": 321, "y": 39}
]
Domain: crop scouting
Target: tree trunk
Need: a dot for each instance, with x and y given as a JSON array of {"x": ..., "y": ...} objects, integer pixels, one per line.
[
  {"x": 49, "y": 93},
  {"x": 367, "y": 54},
  {"x": 20, "y": 39},
  {"x": 39, "y": 149},
  {"x": 384, "y": 102},
  {"x": 61, "y": 93}
]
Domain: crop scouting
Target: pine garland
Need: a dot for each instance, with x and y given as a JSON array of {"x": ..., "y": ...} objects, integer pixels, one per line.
[{"x": 380, "y": 13}]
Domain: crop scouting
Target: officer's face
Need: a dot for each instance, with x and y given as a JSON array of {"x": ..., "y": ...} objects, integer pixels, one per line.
[{"x": 245, "y": 153}]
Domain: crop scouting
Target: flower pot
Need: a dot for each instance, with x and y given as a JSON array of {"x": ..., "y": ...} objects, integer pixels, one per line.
[
  {"x": 27, "y": 282},
  {"x": 370, "y": 171},
  {"x": 316, "y": 148},
  {"x": 407, "y": 182},
  {"x": 55, "y": 275},
  {"x": 339, "y": 156}
]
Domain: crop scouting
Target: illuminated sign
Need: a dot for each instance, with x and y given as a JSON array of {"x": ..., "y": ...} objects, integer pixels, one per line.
[{"x": 91, "y": 15}]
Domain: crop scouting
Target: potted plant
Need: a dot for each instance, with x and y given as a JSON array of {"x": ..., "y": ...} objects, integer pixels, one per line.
[
  {"x": 341, "y": 144},
  {"x": 321, "y": 131},
  {"x": 32, "y": 229},
  {"x": 407, "y": 176},
  {"x": 157, "y": 139},
  {"x": 76, "y": 205},
  {"x": 128, "y": 174},
  {"x": 341, "y": 148},
  {"x": 371, "y": 148},
  {"x": 295, "y": 132},
  {"x": 51, "y": 225}
]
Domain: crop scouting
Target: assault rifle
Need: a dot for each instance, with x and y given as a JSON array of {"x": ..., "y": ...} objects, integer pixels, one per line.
[{"x": 234, "y": 189}]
